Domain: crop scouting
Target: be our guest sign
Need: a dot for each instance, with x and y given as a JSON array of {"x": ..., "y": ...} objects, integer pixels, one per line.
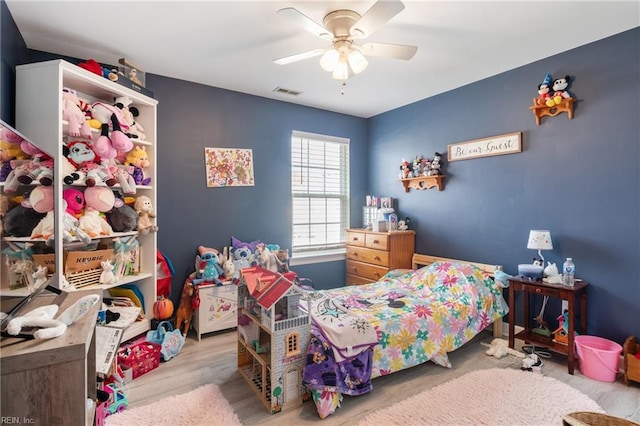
[{"x": 495, "y": 145}]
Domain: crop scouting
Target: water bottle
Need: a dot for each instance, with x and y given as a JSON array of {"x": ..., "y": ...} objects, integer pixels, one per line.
[{"x": 568, "y": 272}]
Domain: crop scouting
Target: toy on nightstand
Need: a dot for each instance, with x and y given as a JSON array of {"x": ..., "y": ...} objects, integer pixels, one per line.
[
  {"x": 551, "y": 274},
  {"x": 243, "y": 254}
]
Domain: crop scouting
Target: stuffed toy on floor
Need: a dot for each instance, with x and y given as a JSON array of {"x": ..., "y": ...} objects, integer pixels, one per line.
[{"x": 499, "y": 348}]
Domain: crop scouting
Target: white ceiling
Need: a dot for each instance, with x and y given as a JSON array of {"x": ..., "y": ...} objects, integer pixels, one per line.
[{"x": 231, "y": 44}]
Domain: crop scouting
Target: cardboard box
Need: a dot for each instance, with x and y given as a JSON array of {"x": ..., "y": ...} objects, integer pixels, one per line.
[
  {"x": 77, "y": 261},
  {"x": 48, "y": 260}
]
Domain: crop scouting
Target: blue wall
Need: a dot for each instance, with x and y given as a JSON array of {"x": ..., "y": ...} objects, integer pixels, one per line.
[
  {"x": 191, "y": 117},
  {"x": 577, "y": 178}
]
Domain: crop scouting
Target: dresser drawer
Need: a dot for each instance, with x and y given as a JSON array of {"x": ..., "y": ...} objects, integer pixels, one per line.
[
  {"x": 377, "y": 241},
  {"x": 377, "y": 257},
  {"x": 366, "y": 270},
  {"x": 355, "y": 238},
  {"x": 357, "y": 280}
]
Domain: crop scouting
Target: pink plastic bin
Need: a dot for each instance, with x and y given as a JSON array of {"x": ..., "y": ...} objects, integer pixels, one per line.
[{"x": 598, "y": 357}]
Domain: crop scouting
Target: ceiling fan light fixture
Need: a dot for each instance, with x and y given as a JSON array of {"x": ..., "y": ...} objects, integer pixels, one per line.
[
  {"x": 357, "y": 61},
  {"x": 341, "y": 70},
  {"x": 330, "y": 59}
]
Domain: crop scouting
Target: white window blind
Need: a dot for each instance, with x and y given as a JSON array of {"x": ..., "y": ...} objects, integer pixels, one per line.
[{"x": 320, "y": 191}]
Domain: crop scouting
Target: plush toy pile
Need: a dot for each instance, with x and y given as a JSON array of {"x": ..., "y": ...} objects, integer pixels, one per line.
[{"x": 421, "y": 166}]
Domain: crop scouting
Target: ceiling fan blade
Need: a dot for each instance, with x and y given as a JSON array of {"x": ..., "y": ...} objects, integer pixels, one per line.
[
  {"x": 305, "y": 22},
  {"x": 378, "y": 14},
  {"x": 395, "y": 51},
  {"x": 299, "y": 57}
]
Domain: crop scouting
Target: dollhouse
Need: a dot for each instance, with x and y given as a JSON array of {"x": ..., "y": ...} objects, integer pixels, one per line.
[{"x": 273, "y": 334}]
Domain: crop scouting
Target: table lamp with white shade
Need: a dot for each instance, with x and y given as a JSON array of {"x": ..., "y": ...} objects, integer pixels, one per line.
[{"x": 540, "y": 240}]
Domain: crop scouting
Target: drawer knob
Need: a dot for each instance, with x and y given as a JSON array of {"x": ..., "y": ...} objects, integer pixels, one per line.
[
  {"x": 538, "y": 290},
  {"x": 376, "y": 258},
  {"x": 376, "y": 242},
  {"x": 355, "y": 254},
  {"x": 355, "y": 238}
]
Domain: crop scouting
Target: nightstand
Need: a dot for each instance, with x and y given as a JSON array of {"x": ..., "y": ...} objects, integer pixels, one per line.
[{"x": 570, "y": 294}]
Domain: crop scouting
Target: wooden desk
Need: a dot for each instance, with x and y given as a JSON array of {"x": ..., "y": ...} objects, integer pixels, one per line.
[
  {"x": 570, "y": 294},
  {"x": 47, "y": 382}
]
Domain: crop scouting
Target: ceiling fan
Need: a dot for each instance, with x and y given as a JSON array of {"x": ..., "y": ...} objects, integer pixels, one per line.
[{"x": 342, "y": 27}]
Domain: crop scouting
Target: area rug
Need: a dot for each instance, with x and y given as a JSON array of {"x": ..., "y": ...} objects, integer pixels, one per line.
[
  {"x": 494, "y": 396},
  {"x": 204, "y": 406}
]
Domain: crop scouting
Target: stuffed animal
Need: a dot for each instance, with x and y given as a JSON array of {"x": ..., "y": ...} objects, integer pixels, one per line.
[
  {"x": 41, "y": 317},
  {"x": 228, "y": 267},
  {"x": 77, "y": 124},
  {"x": 283, "y": 260},
  {"x": 551, "y": 274},
  {"x": 405, "y": 169},
  {"x": 71, "y": 230},
  {"x": 8, "y": 153},
  {"x": 185, "y": 309},
  {"x": 144, "y": 210},
  {"x": 417, "y": 166},
  {"x": 75, "y": 201},
  {"x": 137, "y": 158},
  {"x": 89, "y": 163},
  {"x": 122, "y": 217},
  {"x": 435, "y": 165},
  {"x": 41, "y": 168},
  {"x": 20, "y": 220},
  {"x": 107, "y": 276},
  {"x": 109, "y": 143},
  {"x": 41, "y": 200},
  {"x": 39, "y": 276},
  {"x": 98, "y": 200},
  {"x": 559, "y": 91},
  {"x": 208, "y": 268},
  {"x": 130, "y": 113},
  {"x": 544, "y": 90},
  {"x": 266, "y": 258},
  {"x": 243, "y": 254},
  {"x": 501, "y": 278},
  {"x": 500, "y": 348}
]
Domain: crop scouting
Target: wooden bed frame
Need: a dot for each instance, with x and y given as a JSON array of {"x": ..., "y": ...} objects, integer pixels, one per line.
[{"x": 419, "y": 260}]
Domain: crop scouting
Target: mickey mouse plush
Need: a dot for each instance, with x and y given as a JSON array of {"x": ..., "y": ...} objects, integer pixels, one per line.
[{"x": 559, "y": 91}]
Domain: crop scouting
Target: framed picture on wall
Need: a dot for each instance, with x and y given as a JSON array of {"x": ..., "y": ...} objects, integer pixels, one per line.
[{"x": 228, "y": 167}]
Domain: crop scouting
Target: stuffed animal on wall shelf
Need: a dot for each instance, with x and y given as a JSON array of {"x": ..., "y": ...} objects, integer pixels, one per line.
[{"x": 77, "y": 125}]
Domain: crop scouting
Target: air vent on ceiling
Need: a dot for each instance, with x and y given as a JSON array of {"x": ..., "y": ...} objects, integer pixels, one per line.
[{"x": 286, "y": 91}]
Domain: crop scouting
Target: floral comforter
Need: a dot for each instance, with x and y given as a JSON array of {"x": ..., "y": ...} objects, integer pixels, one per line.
[{"x": 417, "y": 316}]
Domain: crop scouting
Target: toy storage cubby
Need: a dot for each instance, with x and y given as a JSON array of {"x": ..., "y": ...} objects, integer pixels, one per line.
[{"x": 39, "y": 89}]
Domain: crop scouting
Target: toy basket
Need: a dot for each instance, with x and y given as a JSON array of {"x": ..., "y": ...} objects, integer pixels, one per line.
[
  {"x": 140, "y": 357},
  {"x": 631, "y": 360}
]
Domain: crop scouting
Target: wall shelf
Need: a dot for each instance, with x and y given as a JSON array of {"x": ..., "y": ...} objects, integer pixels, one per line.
[
  {"x": 539, "y": 111},
  {"x": 423, "y": 182}
]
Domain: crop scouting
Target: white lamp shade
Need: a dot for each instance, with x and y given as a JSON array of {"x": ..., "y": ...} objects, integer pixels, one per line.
[
  {"x": 357, "y": 61},
  {"x": 329, "y": 60},
  {"x": 540, "y": 240},
  {"x": 341, "y": 70}
]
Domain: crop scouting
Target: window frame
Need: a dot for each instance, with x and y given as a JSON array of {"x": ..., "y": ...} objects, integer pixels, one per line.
[{"x": 333, "y": 251}]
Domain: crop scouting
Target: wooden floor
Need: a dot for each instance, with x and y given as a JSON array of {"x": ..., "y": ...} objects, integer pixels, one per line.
[{"x": 213, "y": 360}]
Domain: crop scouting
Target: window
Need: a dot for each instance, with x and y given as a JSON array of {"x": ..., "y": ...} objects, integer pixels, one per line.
[
  {"x": 320, "y": 192},
  {"x": 292, "y": 344}
]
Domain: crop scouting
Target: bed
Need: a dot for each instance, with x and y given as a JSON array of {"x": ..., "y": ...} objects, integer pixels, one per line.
[{"x": 406, "y": 318}]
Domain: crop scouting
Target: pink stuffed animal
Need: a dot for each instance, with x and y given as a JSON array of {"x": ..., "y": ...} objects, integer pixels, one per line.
[
  {"x": 108, "y": 144},
  {"x": 73, "y": 114},
  {"x": 98, "y": 199}
]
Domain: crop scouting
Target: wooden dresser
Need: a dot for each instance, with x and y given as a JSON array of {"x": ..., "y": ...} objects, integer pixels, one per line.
[{"x": 370, "y": 255}]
